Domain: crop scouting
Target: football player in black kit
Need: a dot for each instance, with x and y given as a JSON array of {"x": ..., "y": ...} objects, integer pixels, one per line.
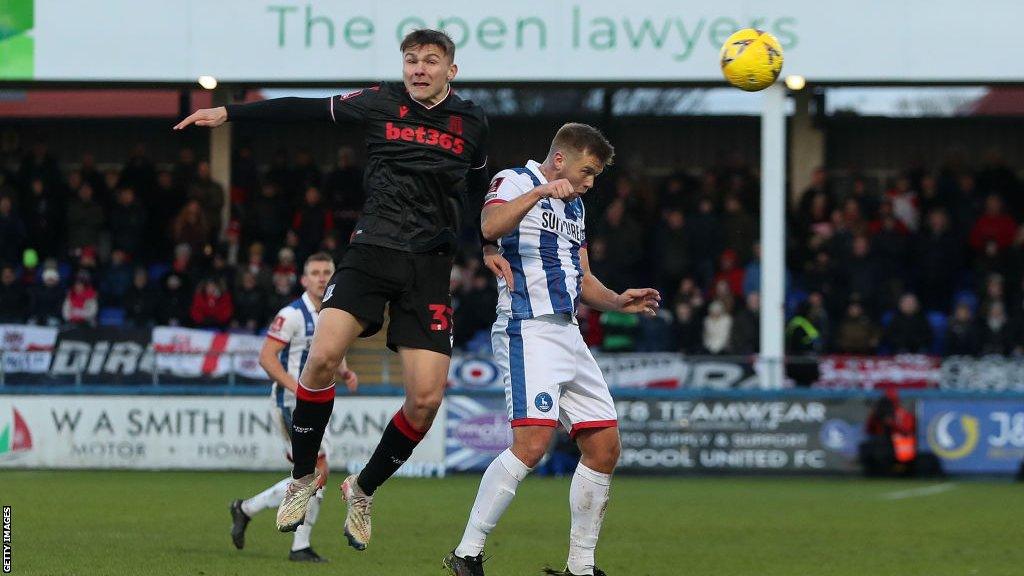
[{"x": 426, "y": 149}]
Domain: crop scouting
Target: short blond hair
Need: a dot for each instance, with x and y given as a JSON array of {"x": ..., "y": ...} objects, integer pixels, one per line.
[{"x": 583, "y": 139}]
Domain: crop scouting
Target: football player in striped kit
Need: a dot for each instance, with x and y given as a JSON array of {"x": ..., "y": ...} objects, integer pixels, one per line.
[
  {"x": 283, "y": 356},
  {"x": 536, "y": 215}
]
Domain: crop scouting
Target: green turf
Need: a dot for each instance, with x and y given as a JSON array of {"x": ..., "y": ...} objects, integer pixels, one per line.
[{"x": 156, "y": 523}]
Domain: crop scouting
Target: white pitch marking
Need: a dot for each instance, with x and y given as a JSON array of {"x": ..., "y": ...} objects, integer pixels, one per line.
[{"x": 916, "y": 492}]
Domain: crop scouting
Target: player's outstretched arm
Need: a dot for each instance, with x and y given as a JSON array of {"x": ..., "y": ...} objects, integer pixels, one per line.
[
  {"x": 633, "y": 301},
  {"x": 270, "y": 361},
  {"x": 273, "y": 110},
  {"x": 499, "y": 219}
]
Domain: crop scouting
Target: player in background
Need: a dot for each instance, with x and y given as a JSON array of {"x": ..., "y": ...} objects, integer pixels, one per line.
[
  {"x": 425, "y": 149},
  {"x": 283, "y": 356},
  {"x": 536, "y": 215}
]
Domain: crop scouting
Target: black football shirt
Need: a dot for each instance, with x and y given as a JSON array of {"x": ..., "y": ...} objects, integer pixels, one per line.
[{"x": 420, "y": 159}]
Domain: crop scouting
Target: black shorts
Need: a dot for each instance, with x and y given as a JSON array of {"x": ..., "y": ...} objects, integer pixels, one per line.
[{"x": 415, "y": 285}]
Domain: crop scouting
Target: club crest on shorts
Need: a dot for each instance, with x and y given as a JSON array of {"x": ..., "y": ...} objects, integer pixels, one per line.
[
  {"x": 543, "y": 402},
  {"x": 328, "y": 293}
]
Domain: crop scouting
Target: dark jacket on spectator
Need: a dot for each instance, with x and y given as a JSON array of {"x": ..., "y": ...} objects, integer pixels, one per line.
[{"x": 908, "y": 334}]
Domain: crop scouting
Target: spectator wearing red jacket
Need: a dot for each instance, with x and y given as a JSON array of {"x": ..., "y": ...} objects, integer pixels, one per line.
[
  {"x": 212, "y": 306},
  {"x": 81, "y": 304},
  {"x": 994, "y": 225},
  {"x": 730, "y": 271}
]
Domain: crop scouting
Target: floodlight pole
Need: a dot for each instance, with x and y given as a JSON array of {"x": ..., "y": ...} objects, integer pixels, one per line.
[{"x": 773, "y": 236}]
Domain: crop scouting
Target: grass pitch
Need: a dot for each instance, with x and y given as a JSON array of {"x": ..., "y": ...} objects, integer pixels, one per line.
[{"x": 160, "y": 523}]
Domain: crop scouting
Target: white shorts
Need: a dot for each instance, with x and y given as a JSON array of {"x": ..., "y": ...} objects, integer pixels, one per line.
[
  {"x": 282, "y": 417},
  {"x": 550, "y": 375}
]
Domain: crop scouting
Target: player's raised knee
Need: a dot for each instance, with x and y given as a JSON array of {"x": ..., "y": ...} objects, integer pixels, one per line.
[{"x": 320, "y": 369}]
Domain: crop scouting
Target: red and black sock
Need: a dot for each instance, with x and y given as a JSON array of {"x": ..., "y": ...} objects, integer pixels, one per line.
[
  {"x": 395, "y": 447},
  {"x": 309, "y": 420}
]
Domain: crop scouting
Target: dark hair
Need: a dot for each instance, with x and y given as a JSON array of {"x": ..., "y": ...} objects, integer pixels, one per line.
[
  {"x": 584, "y": 139},
  {"x": 317, "y": 257},
  {"x": 425, "y": 37}
]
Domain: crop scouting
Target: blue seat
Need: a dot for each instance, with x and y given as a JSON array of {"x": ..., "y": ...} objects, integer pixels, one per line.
[
  {"x": 111, "y": 316},
  {"x": 157, "y": 271},
  {"x": 939, "y": 323}
]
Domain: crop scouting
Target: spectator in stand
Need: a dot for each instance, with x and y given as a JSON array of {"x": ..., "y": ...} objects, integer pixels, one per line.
[
  {"x": 250, "y": 303},
  {"x": 343, "y": 188},
  {"x": 752, "y": 272},
  {"x": 13, "y": 233},
  {"x": 81, "y": 305},
  {"x": 280, "y": 175},
  {"x": 190, "y": 227},
  {"x": 141, "y": 302},
  {"x": 997, "y": 176},
  {"x": 212, "y": 306},
  {"x": 688, "y": 329},
  {"x": 286, "y": 268},
  {"x": 103, "y": 194},
  {"x": 282, "y": 294},
  {"x": 476, "y": 312},
  {"x": 47, "y": 300},
  {"x": 210, "y": 196},
  {"x": 625, "y": 247},
  {"x": 822, "y": 276},
  {"x": 89, "y": 172},
  {"x": 185, "y": 169},
  {"x": 163, "y": 202},
  {"x": 44, "y": 215},
  {"x": 266, "y": 218},
  {"x": 705, "y": 234},
  {"x": 996, "y": 334},
  {"x": 311, "y": 223},
  {"x": 730, "y": 273},
  {"x": 220, "y": 271},
  {"x": 865, "y": 199},
  {"x": 672, "y": 250},
  {"x": 891, "y": 247},
  {"x": 255, "y": 265},
  {"x": 138, "y": 172},
  {"x": 861, "y": 273},
  {"x": 116, "y": 279},
  {"x": 85, "y": 219},
  {"x": 690, "y": 293},
  {"x": 963, "y": 337},
  {"x": 245, "y": 176},
  {"x": 904, "y": 202},
  {"x": 937, "y": 261},
  {"x": 306, "y": 173},
  {"x": 909, "y": 331},
  {"x": 857, "y": 333},
  {"x": 14, "y": 302},
  {"x": 995, "y": 291},
  {"x": 175, "y": 300},
  {"x": 128, "y": 223},
  {"x": 717, "y": 328},
  {"x": 739, "y": 229},
  {"x": 994, "y": 225},
  {"x": 40, "y": 163},
  {"x": 746, "y": 327}
]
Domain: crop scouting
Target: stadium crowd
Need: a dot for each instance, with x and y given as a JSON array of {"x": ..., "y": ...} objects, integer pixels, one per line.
[{"x": 933, "y": 262}]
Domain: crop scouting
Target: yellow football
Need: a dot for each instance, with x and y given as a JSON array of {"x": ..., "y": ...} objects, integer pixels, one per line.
[{"x": 751, "y": 59}]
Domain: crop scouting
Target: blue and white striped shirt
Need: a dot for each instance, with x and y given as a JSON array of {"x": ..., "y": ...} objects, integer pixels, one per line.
[{"x": 543, "y": 251}]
